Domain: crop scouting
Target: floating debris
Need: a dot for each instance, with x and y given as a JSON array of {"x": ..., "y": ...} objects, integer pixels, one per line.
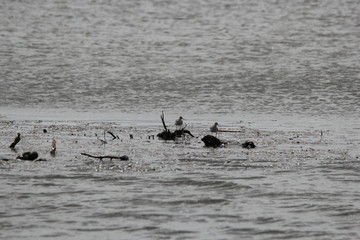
[
  {"x": 122, "y": 158},
  {"x": 113, "y": 135},
  {"x": 16, "y": 140},
  {"x": 168, "y": 135}
]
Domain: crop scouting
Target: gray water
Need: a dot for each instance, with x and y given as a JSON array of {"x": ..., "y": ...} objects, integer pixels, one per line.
[
  {"x": 192, "y": 56},
  {"x": 280, "y": 71}
]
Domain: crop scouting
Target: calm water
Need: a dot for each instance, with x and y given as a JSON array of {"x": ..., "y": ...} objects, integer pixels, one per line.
[
  {"x": 281, "y": 70},
  {"x": 183, "y": 56}
]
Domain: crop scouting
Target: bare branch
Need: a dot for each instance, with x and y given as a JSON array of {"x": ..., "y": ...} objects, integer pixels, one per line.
[{"x": 122, "y": 158}]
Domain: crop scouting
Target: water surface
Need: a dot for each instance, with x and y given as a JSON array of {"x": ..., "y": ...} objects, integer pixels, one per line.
[
  {"x": 280, "y": 72},
  {"x": 191, "y": 57}
]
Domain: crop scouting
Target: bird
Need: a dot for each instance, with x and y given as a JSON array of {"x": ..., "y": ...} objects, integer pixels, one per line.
[
  {"x": 214, "y": 128},
  {"x": 53, "y": 148},
  {"x": 179, "y": 122}
]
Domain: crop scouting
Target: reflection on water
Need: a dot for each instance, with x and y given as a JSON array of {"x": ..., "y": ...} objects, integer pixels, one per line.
[{"x": 197, "y": 56}]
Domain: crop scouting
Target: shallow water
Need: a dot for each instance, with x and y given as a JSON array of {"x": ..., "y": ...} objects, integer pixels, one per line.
[
  {"x": 295, "y": 184},
  {"x": 279, "y": 72}
]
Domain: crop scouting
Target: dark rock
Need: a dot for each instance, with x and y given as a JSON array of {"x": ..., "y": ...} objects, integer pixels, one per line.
[
  {"x": 211, "y": 141},
  {"x": 31, "y": 156},
  {"x": 248, "y": 145}
]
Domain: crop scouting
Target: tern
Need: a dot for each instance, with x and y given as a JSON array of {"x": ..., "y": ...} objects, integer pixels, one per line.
[
  {"x": 214, "y": 128},
  {"x": 179, "y": 122}
]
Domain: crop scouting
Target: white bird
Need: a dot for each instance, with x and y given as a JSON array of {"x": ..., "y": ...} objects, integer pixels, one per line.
[
  {"x": 214, "y": 128},
  {"x": 179, "y": 122}
]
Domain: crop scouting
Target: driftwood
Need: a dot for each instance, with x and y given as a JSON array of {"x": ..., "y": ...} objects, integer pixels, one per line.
[
  {"x": 168, "y": 134},
  {"x": 230, "y": 131},
  {"x": 163, "y": 120},
  {"x": 211, "y": 141},
  {"x": 122, "y": 158},
  {"x": 16, "y": 140}
]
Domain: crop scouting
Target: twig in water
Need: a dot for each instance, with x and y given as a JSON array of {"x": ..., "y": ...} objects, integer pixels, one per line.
[
  {"x": 16, "y": 140},
  {"x": 163, "y": 119},
  {"x": 122, "y": 158},
  {"x": 113, "y": 135},
  {"x": 231, "y": 131}
]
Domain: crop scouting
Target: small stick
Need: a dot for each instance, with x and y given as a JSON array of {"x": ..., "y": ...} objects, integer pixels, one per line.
[
  {"x": 16, "y": 140},
  {"x": 235, "y": 131},
  {"x": 122, "y": 158},
  {"x": 113, "y": 135},
  {"x": 163, "y": 119}
]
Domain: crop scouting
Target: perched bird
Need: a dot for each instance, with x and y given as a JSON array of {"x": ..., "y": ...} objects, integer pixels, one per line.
[
  {"x": 214, "y": 128},
  {"x": 179, "y": 122},
  {"x": 17, "y": 139}
]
